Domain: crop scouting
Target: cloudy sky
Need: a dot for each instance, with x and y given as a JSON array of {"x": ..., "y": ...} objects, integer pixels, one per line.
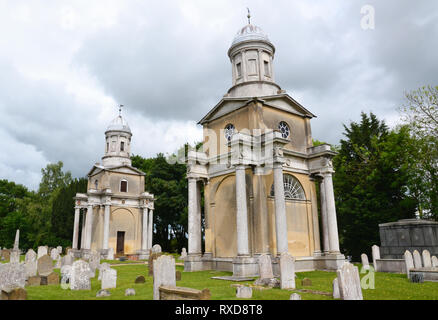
[{"x": 66, "y": 65}]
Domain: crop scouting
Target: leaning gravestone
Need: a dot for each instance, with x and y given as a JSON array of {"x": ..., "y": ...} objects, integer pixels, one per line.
[
  {"x": 375, "y": 251},
  {"x": 409, "y": 262},
  {"x": 417, "y": 260},
  {"x": 427, "y": 262},
  {"x": 336, "y": 294},
  {"x": 30, "y": 263},
  {"x": 244, "y": 292},
  {"x": 80, "y": 276},
  {"x": 45, "y": 265},
  {"x": 109, "y": 279},
  {"x": 12, "y": 275},
  {"x": 54, "y": 254},
  {"x": 41, "y": 251},
  {"x": 287, "y": 271},
  {"x": 365, "y": 262},
  {"x": 434, "y": 262},
  {"x": 164, "y": 274},
  {"x": 349, "y": 282},
  {"x": 156, "y": 248}
]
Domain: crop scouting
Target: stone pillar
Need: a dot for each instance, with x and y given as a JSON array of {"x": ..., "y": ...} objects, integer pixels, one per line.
[
  {"x": 88, "y": 227},
  {"x": 315, "y": 220},
  {"x": 144, "y": 230},
  {"x": 194, "y": 221},
  {"x": 242, "y": 212},
  {"x": 76, "y": 229},
  {"x": 331, "y": 214},
  {"x": 150, "y": 227},
  {"x": 325, "y": 236},
  {"x": 106, "y": 220},
  {"x": 280, "y": 210}
]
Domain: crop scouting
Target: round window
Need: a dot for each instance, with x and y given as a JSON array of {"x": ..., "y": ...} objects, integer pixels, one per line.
[
  {"x": 229, "y": 131},
  {"x": 284, "y": 129}
]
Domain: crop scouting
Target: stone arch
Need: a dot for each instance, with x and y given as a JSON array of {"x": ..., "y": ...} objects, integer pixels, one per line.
[{"x": 123, "y": 220}]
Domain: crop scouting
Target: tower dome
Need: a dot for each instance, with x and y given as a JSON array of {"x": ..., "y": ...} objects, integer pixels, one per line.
[
  {"x": 250, "y": 33},
  {"x": 119, "y": 124}
]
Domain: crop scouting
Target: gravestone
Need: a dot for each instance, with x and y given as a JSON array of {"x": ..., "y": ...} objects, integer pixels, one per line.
[
  {"x": 109, "y": 279},
  {"x": 45, "y": 265},
  {"x": 30, "y": 263},
  {"x": 59, "y": 248},
  {"x": 408, "y": 261},
  {"x": 17, "y": 241},
  {"x": 140, "y": 279},
  {"x": 265, "y": 267},
  {"x": 434, "y": 262},
  {"x": 80, "y": 276},
  {"x": 164, "y": 274},
  {"x": 54, "y": 254},
  {"x": 52, "y": 278},
  {"x": 152, "y": 258},
  {"x": 287, "y": 271},
  {"x": 306, "y": 282},
  {"x": 349, "y": 282},
  {"x": 156, "y": 248},
  {"x": 183, "y": 254},
  {"x": 336, "y": 294},
  {"x": 103, "y": 293},
  {"x": 110, "y": 255},
  {"x": 102, "y": 267},
  {"x": 375, "y": 251},
  {"x": 6, "y": 254},
  {"x": 12, "y": 275},
  {"x": 129, "y": 292},
  {"x": 417, "y": 260},
  {"x": 295, "y": 296},
  {"x": 66, "y": 273},
  {"x": 67, "y": 260},
  {"x": 178, "y": 275},
  {"x": 94, "y": 262},
  {"x": 15, "y": 256},
  {"x": 365, "y": 262},
  {"x": 14, "y": 294},
  {"x": 41, "y": 251},
  {"x": 244, "y": 292},
  {"x": 34, "y": 281},
  {"x": 427, "y": 262}
]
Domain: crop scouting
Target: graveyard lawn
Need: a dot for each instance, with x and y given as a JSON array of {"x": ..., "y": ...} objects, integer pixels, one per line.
[{"x": 387, "y": 287}]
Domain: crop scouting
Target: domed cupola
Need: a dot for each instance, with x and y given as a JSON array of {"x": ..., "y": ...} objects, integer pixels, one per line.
[
  {"x": 252, "y": 54},
  {"x": 117, "y": 143}
]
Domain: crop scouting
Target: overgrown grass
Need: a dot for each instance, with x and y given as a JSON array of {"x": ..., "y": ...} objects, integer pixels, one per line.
[{"x": 387, "y": 287}]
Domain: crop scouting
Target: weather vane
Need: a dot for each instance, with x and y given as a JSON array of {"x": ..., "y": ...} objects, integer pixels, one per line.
[
  {"x": 120, "y": 109},
  {"x": 249, "y": 16}
]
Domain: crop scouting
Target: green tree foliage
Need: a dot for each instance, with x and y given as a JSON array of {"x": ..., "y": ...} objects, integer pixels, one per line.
[
  {"x": 62, "y": 217},
  {"x": 371, "y": 182},
  {"x": 169, "y": 185},
  {"x": 53, "y": 178}
]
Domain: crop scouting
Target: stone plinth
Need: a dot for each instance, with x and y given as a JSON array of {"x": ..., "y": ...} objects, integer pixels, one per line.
[
  {"x": 193, "y": 263},
  {"x": 245, "y": 267}
]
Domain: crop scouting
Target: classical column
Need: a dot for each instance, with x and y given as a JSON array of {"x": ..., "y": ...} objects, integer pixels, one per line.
[
  {"x": 88, "y": 227},
  {"x": 106, "y": 220},
  {"x": 315, "y": 222},
  {"x": 194, "y": 221},
  {"x": 144, "y": 230},
  {"x": 325, "y": 236},
  {"x": 242, "y": 212},
  {"x": 280, "y": 210},
  {"x": 331, "y": 214},
  {"x": 150, "y": 227},
  {"x": 76, "y": 228}
]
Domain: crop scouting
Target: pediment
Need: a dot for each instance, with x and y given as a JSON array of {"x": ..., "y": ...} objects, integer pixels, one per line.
[
  {"x": 125, "y": 169},
  {"x": 282, "y": 102}
]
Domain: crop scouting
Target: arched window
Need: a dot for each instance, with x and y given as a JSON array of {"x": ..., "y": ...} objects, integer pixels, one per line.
[
  {"x": 96, "y": 184},
  {"x": 229, "y": 131},
  {"x": 284, "y": 129},
  {"x": 293, "y": 190},
  {"x": 122, "y": 146},
  {"x": 123, "y": 186}
]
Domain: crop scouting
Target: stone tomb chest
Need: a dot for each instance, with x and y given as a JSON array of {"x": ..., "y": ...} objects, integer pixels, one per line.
[{"x": 410, "y": 234}]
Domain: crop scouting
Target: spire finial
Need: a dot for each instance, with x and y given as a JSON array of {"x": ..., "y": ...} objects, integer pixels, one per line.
[
  {"x": 120, "y": 109},
  {"x": 249, "y": 16}
]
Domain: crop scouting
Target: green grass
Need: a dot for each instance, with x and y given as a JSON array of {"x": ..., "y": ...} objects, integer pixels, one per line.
[{"x": 387, "y": 287}]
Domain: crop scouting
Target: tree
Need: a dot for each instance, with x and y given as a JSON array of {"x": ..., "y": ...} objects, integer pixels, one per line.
[
  {"x": 371, "y": 182},
  {"x": 52, "y": 178}
]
